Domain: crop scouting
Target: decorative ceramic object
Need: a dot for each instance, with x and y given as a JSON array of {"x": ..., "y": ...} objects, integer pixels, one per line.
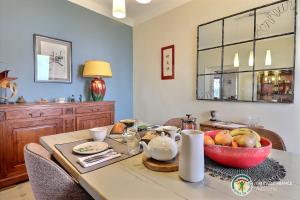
[
  {"x": 191, "y": 159},
  {"x": 20, "y": 99},
  {"x": 162, "y": 148},
  {"x": 97, "y": 70},
  {"x": 42, "y": 100},
  {"x": 7, "y": 84},
  {"x": 60, "y": 100}
]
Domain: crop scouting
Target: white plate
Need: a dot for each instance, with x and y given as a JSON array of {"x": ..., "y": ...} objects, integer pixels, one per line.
[{"x": 90, "y": 147}]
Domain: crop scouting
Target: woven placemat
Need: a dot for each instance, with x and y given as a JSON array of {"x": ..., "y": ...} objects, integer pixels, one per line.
[
  {"x": 66, "y": 150},
  {"x": 268, "y": 172}
]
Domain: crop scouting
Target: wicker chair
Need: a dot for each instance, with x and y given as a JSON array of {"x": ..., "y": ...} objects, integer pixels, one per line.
[
  {"x": 277, "y": 142},
  {"x": 47, "y": 179},
  {"x": 174, "y": 122}
]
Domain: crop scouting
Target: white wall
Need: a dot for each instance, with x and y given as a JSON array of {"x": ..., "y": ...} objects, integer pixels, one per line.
[{"x": 156, "y": 100}]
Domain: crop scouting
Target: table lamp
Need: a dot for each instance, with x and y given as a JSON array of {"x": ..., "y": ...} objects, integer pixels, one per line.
[{"x": 97, "y": 70}]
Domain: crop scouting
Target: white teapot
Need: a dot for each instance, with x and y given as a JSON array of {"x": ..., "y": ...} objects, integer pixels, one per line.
[{"x": 162, "y": 148}]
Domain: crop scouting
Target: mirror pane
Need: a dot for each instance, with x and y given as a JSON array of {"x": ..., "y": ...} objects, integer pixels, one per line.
[
  {"x": 210, "y": 35},
  {"x": 209, "y": 61},
  {"x": 275, "y": 19},
  {"x": 274, "y": 86},
  {"x": 239, "y": 57},
  {"x": 238, "y": 86},
  {"x": 239, "y": 28},
  {"x": 275, "y": 53},
  {"x": 209, "y": 87}
]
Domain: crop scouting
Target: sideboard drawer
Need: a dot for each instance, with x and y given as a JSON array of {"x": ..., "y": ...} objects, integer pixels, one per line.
[
  {"x": 51, "y": 112},
  {"x": 33, "y": 113},
  {"x": 93, "y": 109}
]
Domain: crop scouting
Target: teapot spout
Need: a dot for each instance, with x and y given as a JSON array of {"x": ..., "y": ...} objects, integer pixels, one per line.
[{"x": 146, "y": 149}]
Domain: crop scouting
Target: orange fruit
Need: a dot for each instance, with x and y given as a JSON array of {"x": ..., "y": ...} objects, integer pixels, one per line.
[
  {"x": 208, "y": 140},
  {"x": 234, "y": 144},
  {"x": 223, "y": 138}
]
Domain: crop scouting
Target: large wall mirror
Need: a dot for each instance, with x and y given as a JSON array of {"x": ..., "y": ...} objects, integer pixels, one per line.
[{"x": 249, "y": 56}]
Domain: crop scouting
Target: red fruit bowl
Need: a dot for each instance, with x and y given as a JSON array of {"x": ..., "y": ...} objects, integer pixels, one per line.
[{"x": 237, "y": 157}]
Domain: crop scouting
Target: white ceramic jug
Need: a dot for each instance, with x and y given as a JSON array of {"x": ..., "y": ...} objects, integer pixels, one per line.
[{"x": 191, "y": 157}]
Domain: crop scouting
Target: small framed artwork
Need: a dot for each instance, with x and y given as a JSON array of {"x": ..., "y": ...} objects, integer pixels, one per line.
[
  {"x": 52, "y": 59},
  {"x": 167, "y": 62}
]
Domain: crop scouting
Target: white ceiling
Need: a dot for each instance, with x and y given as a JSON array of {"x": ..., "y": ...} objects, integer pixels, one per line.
[{"x": 136, "y": 13}]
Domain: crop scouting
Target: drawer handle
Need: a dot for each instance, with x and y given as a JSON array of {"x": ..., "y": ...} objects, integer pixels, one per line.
[{"x": 36, "y": 114}]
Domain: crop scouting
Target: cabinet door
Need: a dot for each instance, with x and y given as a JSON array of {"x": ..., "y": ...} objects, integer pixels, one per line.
[
  {"x": 2, "y": 164},
  {"x": 95, "y": 120},
  {"x": 69, "y": 124},
  {"x": 18, "y": 134}
]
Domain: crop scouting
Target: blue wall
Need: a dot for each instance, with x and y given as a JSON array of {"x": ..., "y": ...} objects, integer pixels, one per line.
[{"x": 93, "y": 36}]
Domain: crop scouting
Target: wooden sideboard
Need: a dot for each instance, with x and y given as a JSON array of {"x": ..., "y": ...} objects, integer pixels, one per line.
[
  {"x": 21, "y": 124},
  {"x": 221, "y": 125}
]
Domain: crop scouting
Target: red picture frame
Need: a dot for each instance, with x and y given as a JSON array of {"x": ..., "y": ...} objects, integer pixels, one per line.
[{"x": 168, "y": 62}]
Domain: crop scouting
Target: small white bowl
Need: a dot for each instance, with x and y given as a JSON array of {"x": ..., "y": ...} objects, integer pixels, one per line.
[{"x": 98, "y": 134}]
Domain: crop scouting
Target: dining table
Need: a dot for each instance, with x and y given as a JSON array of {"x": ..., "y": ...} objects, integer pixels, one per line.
[{"x": 129, "y": 179}]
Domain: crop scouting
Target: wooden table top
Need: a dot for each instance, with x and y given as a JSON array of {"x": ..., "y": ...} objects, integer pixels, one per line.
[{"x": 130, "y": 179}]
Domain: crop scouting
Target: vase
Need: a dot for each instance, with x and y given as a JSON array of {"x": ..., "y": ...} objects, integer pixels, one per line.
[{"x": 98, "y": 89}]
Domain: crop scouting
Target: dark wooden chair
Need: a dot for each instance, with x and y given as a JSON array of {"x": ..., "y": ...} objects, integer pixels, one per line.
[
  {"x": 277, "y": 142},
  {"x": 174, "y": 122}
]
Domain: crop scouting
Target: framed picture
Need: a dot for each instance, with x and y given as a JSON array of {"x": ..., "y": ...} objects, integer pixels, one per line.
[
  {"x": 167, "y": 62},
  {"x": 52, "y": 59}
]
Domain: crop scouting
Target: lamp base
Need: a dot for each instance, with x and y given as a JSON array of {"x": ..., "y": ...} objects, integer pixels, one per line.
[{"x": 98, "y": 89}]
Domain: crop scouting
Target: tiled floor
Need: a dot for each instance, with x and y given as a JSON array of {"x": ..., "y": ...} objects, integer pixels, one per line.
[{"x": 19, "y": 192}]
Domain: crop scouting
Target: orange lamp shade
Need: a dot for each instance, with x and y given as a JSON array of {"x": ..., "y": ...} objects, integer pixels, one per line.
[{"x": 97, "y": 69}]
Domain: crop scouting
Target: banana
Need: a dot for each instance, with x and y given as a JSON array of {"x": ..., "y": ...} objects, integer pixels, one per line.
[{"x": 244, "y": 131}]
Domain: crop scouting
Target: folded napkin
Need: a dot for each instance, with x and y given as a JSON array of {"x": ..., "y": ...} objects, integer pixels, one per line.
[{"x": 88, "y": 161}]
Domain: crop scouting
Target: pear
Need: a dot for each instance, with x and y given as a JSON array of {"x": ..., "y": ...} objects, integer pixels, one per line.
[{"x": 245, "y": 140}]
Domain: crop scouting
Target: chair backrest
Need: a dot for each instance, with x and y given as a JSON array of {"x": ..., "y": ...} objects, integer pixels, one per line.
[
  {"x": 48, "y": 180},
  {"x": 174, "y": 122},
  {"x": 277, "y": 142}
]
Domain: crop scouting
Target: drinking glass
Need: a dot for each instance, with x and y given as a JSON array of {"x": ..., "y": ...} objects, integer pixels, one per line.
[
  {"x": 253, "y": 121},
  {"x": 133, "y": 142}
]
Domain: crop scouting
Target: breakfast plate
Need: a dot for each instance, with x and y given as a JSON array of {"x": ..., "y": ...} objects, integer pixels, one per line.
[{"x": 90, "y": 147}]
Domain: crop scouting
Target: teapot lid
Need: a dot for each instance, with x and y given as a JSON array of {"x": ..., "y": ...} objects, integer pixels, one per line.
[
  {"x": 161, "y": 141},
  {"x": 188, "y": 119}
]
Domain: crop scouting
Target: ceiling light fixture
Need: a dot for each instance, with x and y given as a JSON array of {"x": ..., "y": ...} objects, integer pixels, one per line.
[
  {"x": 119, "y": 9},
  {"x": 143, "y": 1}
]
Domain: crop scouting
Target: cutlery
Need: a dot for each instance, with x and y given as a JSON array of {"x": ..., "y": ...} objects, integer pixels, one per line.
[{"x": 96, "y": 158}]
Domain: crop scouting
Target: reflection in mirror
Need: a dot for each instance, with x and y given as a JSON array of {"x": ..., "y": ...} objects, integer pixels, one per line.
[
  {"x": 210, "y": 35},
  {"x": 276, "y": 19},
  {"x": 276, "y": 52},
  {"x": 209, "y": 61},
  {"x": 239, "y": 28},
  {"x": 274, "y": 86},
  {"x": 256, "y": 59},
  {"x": 238, "y": 86},
  {"x": 209, "y": 87},
  {"x": 239, "y": 57}
]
